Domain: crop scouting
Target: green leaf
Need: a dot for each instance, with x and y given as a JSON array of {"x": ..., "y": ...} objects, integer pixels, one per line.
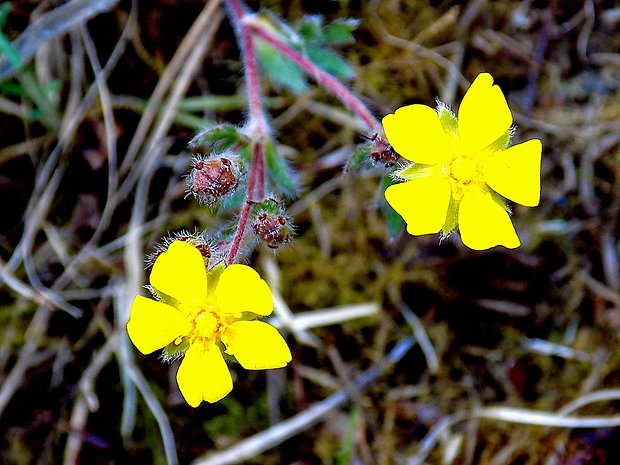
[
  {"x": 395, "y": 223},
  {"x": 330, "y": 62},
  {"x": 5, "y": 9},
  {"x": 340, "y": 32},
  {"x": 344, "y": 452},
  {"x": 220, "y": 137},
  {"x": 279, "y": 171},
  {"x": 281, "y": 70},
  {"x": 7, "y": 49},
  {"x": 235, "y": 200},
  {"x": 245, "y": 153},
  {"x": 310, "y": 27}
]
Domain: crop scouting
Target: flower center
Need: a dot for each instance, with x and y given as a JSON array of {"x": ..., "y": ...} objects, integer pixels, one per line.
[
  {"x": 207, "y": 326},
  {"x": 462, "y": 173}
]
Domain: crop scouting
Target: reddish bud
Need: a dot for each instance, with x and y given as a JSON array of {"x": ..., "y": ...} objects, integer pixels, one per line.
[
  {"x": 195, "y": 239},
  {"x": 213, "y": 178},
  {"x": 272, "y": 228},
  {"x": 382, "y": 152},
  {"x": 202, "y": 246}
]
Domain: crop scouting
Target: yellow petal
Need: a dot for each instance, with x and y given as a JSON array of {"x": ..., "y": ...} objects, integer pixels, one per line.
[
  {"x": 180, "y": 273},
  {"x": 203, "y": 375},
  {"x": 484, "y": 223},
  {"x": 241, "y": 289},
  {"x": 515, "y": 172},
  {"x": 484, "y": 115},
  {"x": 153, "y": 325},
  {"x": 256, "y": 345},
  {"x": 423, "y": 203},
  {"x": 415, "y": 132}
]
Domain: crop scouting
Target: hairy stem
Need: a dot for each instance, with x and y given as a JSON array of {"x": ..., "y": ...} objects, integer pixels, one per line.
[
  {"x": 323, "y": 78},
  {"x": 254, "y": 184},
  {"x": 257, "y": 123},
  {"x": 246, "y": 30}
]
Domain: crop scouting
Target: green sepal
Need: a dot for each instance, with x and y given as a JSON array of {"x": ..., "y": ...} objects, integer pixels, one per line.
[
  {"x": 271, "y": 206},
  {"x": 279, "y": 171},
  {"x": 359, "y": 159},
  {"x": 161, "y": 297},
  {"x": 213, "y": 277},
  {"x": 499, "y": 200},
  {"x": 414, "y": 171},
  {"x": 503, "y": 142},
  {"x": 394, "y": 221},
  {"x": 447, "y": 118},
  {"x": 174, "y": 351},
  {"x": 452, "y": 217},
  {"x": 281, "y": 70}
]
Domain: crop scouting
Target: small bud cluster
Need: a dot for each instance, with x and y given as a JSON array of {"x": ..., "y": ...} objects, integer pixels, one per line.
[
  {"x": 212, "y": 179},
  {"x": 381, "y": 151},
  {"x": 271, "y": 225}
]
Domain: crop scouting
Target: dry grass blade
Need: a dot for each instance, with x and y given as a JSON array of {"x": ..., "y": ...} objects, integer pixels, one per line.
[{"x": 263, "y": 441}]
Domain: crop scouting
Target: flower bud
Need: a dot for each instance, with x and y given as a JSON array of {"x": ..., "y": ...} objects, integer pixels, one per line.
[
  {"x": 211, "y": 179},
  {"x": 271, "y": 224},
  {"x": 194, "y": 239},
  {"x": 381, "y": 151}
]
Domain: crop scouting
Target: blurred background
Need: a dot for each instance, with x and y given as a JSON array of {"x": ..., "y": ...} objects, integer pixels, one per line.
[{"x": 94, "y": 130}]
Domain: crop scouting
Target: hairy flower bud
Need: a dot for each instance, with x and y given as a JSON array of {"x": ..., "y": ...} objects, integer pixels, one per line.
[
  {"x": 211, "y": 179},
  {"x": 196, "y": 239},
  {"x": 271, "y": 224},
  {"x": 381, "y": 151}
]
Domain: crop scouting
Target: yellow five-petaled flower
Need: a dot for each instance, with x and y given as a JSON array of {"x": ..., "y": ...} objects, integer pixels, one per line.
[
  {"x": 206, "y": 313},
  {"x": 460, "y": 167}
]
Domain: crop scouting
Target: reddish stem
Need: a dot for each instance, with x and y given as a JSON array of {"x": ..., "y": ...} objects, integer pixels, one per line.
[
  {"x": 257, "y": 124},
  {"x": 322, "y": 77},
  {"x": 253, "y": 185},
  {"x": 259, "y": 156}
]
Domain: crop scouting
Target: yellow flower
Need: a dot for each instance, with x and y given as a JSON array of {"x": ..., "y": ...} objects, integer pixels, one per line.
[
  {"x": 460, "y": 167},
  {"x": 205, "y": 313}
]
